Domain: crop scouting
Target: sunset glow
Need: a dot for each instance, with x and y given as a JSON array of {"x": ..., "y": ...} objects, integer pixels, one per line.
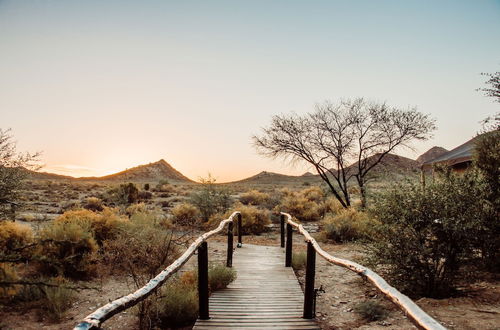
[{"x": 99, "y": 87}]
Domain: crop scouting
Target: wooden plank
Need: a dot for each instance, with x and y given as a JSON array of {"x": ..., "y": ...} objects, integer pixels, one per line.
[{"x": 265, "y": 295}]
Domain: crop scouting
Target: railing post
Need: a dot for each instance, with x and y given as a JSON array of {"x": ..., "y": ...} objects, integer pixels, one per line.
[
  {"x": 288, "y": 249},
  {"x": 240, "y": 229},
  {"x": 203, "y": 281},
  {"x": 229, "y": 261},
  {"x": 282, "y": 230},
  {"x": 309, "y": 289}
]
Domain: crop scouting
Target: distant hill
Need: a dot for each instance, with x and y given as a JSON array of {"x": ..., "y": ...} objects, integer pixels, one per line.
[
  {"x": 276, "y": 178},
  {"x": 391, "y": 163},
  {"x": 152, "y": 171},
  {"x": 430, "y": 154}
]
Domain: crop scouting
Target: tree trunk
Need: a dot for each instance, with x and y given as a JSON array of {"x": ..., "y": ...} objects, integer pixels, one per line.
[{"x": 362, "y": 191}]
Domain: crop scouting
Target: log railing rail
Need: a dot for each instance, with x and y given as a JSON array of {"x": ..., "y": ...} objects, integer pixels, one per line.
[
  {"x": 96, "y": 318},
  {"x": 420, "y": 318}
]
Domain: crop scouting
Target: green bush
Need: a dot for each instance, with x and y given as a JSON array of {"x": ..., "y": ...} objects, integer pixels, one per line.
[
  {"x": 57, "y": 301},
  {"x": 347, "y": 225},
  {"x": 371, "y": 310},
  {"x": 220, "y": 276},
  {"x": 177, "y": 307},
  {"x": 142, "y": 247},
  {"x": 299, "y": 260},
  {"x": 126, "y": 193},
  {"x": 426, "y": 235},
  {"x": 68, "y": 249},
  {"x": 210, "y": 199}
]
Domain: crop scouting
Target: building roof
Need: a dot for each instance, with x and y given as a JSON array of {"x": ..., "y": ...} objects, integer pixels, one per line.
[{"x": 460, "y": 154}]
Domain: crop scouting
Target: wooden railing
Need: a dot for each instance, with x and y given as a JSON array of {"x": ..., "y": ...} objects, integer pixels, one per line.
[
  {"x": 96, "y": 318},
  {"x": 420, "y": 318}
]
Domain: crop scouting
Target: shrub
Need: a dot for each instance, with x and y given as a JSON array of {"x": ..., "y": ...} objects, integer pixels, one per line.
[
  {"x": 426, "y": 235},
  {"x": 305, "y": 205},
  {"x": 253, "y": 197},
  {"x": 299, "y": 260},
  {"x": 220, "y": 276},
  {"x": 8, "y": 274},
  {"x": 103, "y": 225},
  {"x": 14, "y": 236},
  {"x": 347, "y": 225},
  {"x": 142, "y": 247},
  {"x": 185, "y": 214},
  {"x": 93, "y": 204},
  {"x": 67, "y": 248},
  {"x": 210, "y": 199},
  {"x": 126, "y": 193},
  {"x": 253, "y": 220},
  {"x": 144, "y": 195},
  {"x": 371, "y": 310},
  {"x": 135, "y": 208},
  {"x": 57, "y": 301},
  {"x": 177, "y": 307},
  {"x": 146, "y": 186}
]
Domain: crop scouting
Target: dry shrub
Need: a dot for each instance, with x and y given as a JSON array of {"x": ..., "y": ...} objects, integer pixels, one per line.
[
  {"x": 306, "y": 205},
  {"x": 220, "y": 276},
  {"x": 254, "y": 197},
  {"x": 185, "y": 214},
  {"x": 141, "y": 248},
  {"x": 14, "y": 236},
  {"x": 299, "y": 260},
  {"x": 8, "y": 274},
  {"x": 347, "y": 225},
  {"x": 371, "y": 310},
  {"x": 136, "y": 208},
  {"x": 67, "y": 248},
  {"x": 57, "y": 300},
  {"x": 93, "y": 204},
  {"x": 103, "y": 225},
  {"x": 177, "y": 307},
  {"x": 332, "y": 205},
  {"x": 253, "y": 220},
  {"x": 315, "y": 194}
]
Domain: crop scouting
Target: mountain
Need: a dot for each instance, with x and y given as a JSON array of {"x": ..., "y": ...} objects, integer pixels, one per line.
[
  {"x": 430, "y": 154},
  {"x": 276, "y": 178},
  {"x": 149, "y": 172},
  {"x": 152, "y": 171},
  {"x": 391, "y": 163}
]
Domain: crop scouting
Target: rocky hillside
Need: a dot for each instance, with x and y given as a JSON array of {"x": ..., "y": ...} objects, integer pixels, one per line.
[
  {"x": 430, "y": 154},
  {"x": 149, "y": 172},
  {"x": 152, "y": 171}
]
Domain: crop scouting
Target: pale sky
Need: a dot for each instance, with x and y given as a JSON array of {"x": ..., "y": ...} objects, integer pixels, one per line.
[{"x": 100, "y": 86}]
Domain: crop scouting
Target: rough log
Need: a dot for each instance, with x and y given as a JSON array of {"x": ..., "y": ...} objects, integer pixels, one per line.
[
  {"x": 420, "y": 318},
  {"x": 95, "y": 319}
]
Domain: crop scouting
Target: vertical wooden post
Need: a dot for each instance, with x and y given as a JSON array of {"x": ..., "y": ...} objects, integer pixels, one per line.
[
  {"x": 203, "y": 281},
  {"x": 229, "y": 261},
  {"x": 240, "y": 230},
  {"x": 288, "y": 249},
  {"x": 282, "y": 230},
  {"x": 309, "y": 288}
]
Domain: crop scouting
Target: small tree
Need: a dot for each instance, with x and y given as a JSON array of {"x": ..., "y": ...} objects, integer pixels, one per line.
[
  {"x": 14, "y": 168},
  {"x": 494, "y": 89},
  {"x": 344, "y": 141},
  {"x": 211, "y": 199}
]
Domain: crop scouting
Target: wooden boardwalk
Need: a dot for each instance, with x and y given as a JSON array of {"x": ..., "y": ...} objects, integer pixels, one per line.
[{"x": 265, "y": 295}]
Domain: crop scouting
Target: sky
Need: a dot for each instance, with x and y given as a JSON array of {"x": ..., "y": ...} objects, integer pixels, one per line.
[{"x": 100, "y": 86}]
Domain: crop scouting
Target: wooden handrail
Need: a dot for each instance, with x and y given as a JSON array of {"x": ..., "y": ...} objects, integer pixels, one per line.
[
  {"x": 96, "y": 318},
  {"x": 420, "y": 318}
]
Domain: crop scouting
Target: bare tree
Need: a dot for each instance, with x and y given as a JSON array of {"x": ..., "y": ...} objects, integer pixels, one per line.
[
  {"x": 13, "y": 169},
  {"x": 345, "y": 140}
]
